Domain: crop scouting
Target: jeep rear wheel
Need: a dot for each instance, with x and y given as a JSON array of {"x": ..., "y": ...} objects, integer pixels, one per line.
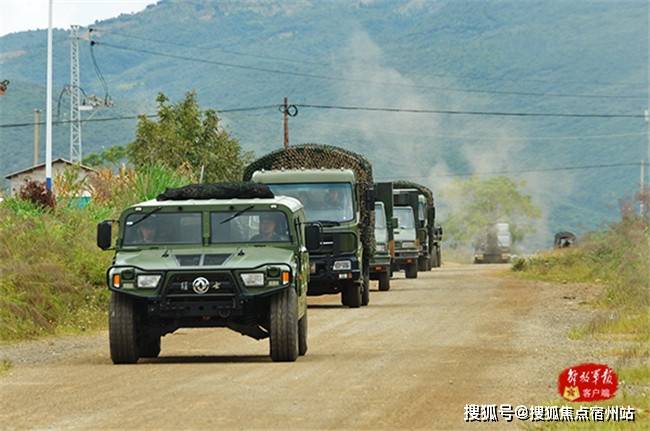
[
  {"x": 302, "y": 335},
  {"x": 123, "y": 329},
  {"x": 284, "y": 326},
  {"x": 351, "y": 295},
  {"x": 384, "y": 281},
  {"x": 412, "y": 270}
]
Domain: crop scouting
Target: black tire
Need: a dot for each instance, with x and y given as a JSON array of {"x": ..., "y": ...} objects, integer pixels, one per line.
[
  {"x": 384, "y": 281},
  {"x": 284, "y": 326},
  {"x": 365, "y": 292},
  {"x": 423, "y": 264},
  {"x": 149, "y": 346},
  {"x": 351, "y": 295},
  {"x": 302, "y": 335},
  {"x": 412, "y": 270},
  {"x": 438, "y": 257},
  {"x": 123, "y": 329}
]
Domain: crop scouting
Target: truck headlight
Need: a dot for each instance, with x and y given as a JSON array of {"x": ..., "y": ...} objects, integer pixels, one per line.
[
  {"x": 148, "y": 281},
  {"x": 252, "y": 279},
  {"x": 342, "y": 265},
  {"x": 408, "y": 244},
  {"x": 380, "y": 248}
]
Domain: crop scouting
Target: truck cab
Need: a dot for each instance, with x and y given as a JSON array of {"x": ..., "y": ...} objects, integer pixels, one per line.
[
  {"x": 237, "y": 263},
  {"x": 406, "y": 243},
  {"x": 332, "y": 201}
]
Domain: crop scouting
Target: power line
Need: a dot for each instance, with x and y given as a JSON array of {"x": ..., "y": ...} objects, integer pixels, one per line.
[
  {"x": 459, "y": 112},
  {"x": 523, "y": 171},
  {"x": 133, "y": 117},
  {"x": 363, "y": 81}
]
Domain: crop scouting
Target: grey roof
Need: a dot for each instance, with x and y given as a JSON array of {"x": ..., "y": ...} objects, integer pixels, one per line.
[{"x": 42, "y": 165}]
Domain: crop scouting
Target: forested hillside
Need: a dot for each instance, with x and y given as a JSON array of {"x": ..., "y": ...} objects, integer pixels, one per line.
[{"x": 497, "y": 56}]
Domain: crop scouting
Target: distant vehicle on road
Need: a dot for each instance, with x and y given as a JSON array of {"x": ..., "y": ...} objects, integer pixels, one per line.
[
  {"x": 495, "y": 245},
  {"x": 564, "y": 239}
]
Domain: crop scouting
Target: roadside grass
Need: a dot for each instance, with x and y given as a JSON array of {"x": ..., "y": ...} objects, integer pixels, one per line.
[
  {"x": 5, "y": 366},
  {"x": 617, "y": 258},
  {"x": 52, "y": 274}
]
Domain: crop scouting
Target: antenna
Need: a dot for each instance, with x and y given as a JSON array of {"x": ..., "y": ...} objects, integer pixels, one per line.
[{"x": 75, "y": 99}]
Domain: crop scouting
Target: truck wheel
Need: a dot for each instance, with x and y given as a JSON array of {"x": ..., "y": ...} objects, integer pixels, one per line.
[
  {"x": 351, "y": 295},
  {"x": 302, "y": 335},
  {"x": 123, "y": 329},
  {"x": 438, "y": 258},
  {"x": 284, "y": 326},
  {"x": 423, "y": 264},
  {"x": 149, "y": 346},
  {"x": 365, "y": 292},
  {"x": 412, "y": 270},
  {"x": 384, "y": 281}
]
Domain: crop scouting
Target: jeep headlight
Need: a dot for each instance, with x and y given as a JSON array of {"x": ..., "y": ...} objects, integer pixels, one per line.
[
  {"x": 252, "y": 279},
  {"x": 380, "y": 248},
  {"x": 148, "y": 281},
  {"x": 408, "y": 244},
  {"x": 342, "y": 265}
]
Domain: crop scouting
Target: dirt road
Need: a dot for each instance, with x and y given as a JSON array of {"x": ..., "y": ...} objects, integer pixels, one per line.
[{"x": 412, "y": 359}]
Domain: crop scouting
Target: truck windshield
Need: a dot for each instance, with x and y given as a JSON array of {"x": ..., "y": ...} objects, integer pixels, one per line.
[
  {"x": 381, "y": 234},
  {"x": 162, "y": 228},
  {"x": 405, "y": 217},
  {"x": 248, "y": 227},
  {"x": 322, "y": 201}
]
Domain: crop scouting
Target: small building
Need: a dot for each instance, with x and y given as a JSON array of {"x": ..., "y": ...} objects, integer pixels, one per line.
[{"x": 37, "y": 173}]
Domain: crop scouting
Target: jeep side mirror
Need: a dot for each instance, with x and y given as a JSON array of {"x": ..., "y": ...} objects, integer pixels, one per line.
[
  {"x": 104, "y": 235},
  {"x": 312, "y": 237},
  {"x": 431, "y": 214}
]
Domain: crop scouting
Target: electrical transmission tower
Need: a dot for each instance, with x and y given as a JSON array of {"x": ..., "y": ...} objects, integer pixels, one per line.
[{"x": 75, "y": 97}]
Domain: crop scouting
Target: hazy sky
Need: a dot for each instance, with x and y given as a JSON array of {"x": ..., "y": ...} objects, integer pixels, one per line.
[{"x": 19, "y": 15}]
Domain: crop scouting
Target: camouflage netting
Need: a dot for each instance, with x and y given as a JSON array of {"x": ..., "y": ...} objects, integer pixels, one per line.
[
  {"x": 315, "y": 156},
  {"x": 426, "y": 191},
  {"x": 238, "y": 190}
]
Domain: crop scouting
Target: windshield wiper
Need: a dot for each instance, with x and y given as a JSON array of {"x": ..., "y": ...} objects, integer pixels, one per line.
[
  {"x": 147, "y": 215},
  {"x": 237, "y": 214},
  {"x": 329, "y": 223}
]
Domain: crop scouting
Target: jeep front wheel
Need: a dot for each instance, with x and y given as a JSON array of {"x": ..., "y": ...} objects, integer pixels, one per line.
[
  {"x": 284, "y": 326},
  {"x": 412, "y": 270},
  {"x": 123, "y": 329},
  {"x": 351, "y": 295}
]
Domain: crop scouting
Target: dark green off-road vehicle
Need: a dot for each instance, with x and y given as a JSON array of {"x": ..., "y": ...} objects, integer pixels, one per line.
[{"x": 229, "y": 255}]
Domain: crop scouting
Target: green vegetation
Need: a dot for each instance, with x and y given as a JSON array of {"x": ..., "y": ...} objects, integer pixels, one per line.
[
  {"x": 5, "y": 366},
  {"x": 618, "y": 258},
  {"x": 482, "y": 202}
]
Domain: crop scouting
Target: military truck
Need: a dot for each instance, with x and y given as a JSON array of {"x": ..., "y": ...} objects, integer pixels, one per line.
[
  {"x": 407, "y": 245},
  {"x": 494, "y": 245},
  {"x": 429, "y": 235},
  {"x": 335, "y": 187},
  {"x": 225, "y": 255},
  {"x": 381, "y": 260}
]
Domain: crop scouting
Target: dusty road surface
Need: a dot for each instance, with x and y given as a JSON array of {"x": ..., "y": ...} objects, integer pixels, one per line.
[{"x": 412, "y": 359}]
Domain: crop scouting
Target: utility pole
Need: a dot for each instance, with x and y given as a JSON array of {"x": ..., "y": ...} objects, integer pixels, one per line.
[
  {"x": 642, "y": 189},
  {"x": 48, "y": 121},
  {"x": 75, "y": 97},
  {"x": 37, "y": 135},
  {"x": 285, "y": 112}
]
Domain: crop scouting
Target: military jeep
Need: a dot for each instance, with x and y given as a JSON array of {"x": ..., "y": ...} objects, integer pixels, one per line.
[{"x": 232, "y": 256}]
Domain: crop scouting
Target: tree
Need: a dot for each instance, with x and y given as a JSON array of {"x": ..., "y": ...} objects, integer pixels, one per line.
[
  {"x": 110, "y": 156},
  {"x": 478, "y": 204},
  {"x": 184, "y": 135}
]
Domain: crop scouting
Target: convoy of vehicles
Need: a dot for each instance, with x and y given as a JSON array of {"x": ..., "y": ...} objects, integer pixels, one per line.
[
  {"x": 307, "y": 220},
  {"x": 239, "y": 263}
]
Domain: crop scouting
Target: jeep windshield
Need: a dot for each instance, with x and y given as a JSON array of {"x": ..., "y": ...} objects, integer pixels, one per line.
[
  {"x": 323, "y": 202},
  {"x": 381, "y": 234},
  {"x": 248, "y": 227},
  {"x": 159, "y": 228}
]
